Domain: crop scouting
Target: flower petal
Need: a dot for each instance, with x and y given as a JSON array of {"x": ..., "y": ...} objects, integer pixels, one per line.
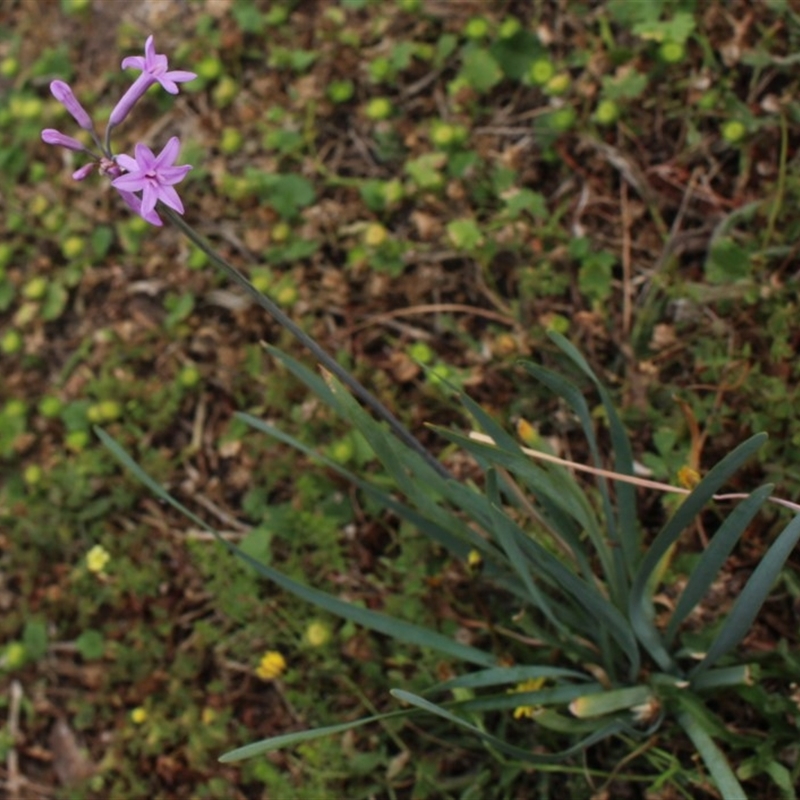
[
  {"x": 127, "y": 163},
  {"x": 168, "y": 85},
  {"x": 179, "y": 75},
  {"x": 149, "y": 51},
  {"x": 172, "y": 175},
  {"x": 135, "y": 205},
  {"x": 149, "y": 197},
  {"x": 133, "y": 62},
  {"x": 145, "y": 159},
  {"x": 153, "y": 218},
  {"x": 131, "y": 200},
  {"x": 132, "y": 182},
  {"x": 166, "y": 158},
  {"x": 169, "y": 197}
]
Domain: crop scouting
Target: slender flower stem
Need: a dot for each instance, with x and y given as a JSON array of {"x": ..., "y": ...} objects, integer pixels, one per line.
[{"x": 324, "y": 358}]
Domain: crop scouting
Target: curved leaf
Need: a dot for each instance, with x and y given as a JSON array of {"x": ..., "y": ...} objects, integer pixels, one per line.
[
  {"x": 718, "y": 550},
  {"x": 640, "y": 609},
  {"x": 298, "y": 737},
  {"x": 752, "y": 597},
  {"x": 629, "y": 533},
  {"x": 526, "y": 756},
  {"x": 554, "y": 695},
  {"x": 618, "y": 580},
  {"x": 500, "y": 676},
  {"x": 382, "y": 623},
  {"x": 713, "y": 757}
]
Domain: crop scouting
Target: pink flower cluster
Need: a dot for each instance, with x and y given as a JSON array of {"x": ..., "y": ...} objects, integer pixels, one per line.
[{"x": 146, "y": 179}]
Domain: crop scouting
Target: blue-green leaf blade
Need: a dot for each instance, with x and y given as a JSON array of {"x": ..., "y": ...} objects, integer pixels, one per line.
[
  {"x": 440, "y": 533},
  {"x": 640, "y": 605},
  {"x": 718, "y": 550},
  {"x": 501, "y": 676},
  {"x": 629, "y": 532},
  {"x": 714, "y": 759},
  {"x": 382, "y": 623},
  {"x": 752, "y": 597},
  {"x": 526, "y": 756},
  {"x": 298, "y": 737},
  {"x": 505, "y": 534},
  {"x": 618, "y": 580}
]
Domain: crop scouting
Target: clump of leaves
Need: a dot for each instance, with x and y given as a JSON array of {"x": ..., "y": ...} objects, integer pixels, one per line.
[{"x": 605, "y": 665}]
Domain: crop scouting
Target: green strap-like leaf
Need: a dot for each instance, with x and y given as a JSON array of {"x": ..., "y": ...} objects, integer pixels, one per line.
[
  {"x": 560, "y": 694},
  {"x": 526, "y": 756},
  {"x": 610, "y": 620},
  {"x": 714, "y": 556},
  {"x": 640, "y": 605},
  {"x": 298, "y": 737},
  {"x": 394, "y": 456},
  {"x": 561, "y": 723},
  {"x": 501, "y": 676},
  {"x": 569, "y": 498},
  {"x": 714, "y": 759},
  {"x": 752, "y": 597},
  {"x": 609, "y": 701},
  {"x": 505, "y": 534},
  {"x": 737, "y": 675},
  {"x": 618, "y": 580},
  {"x": 711, "y": 723},
  {"x": 629, "y": 532},
  {"x": 310, "y": 378},
  {"x": 443, "y": 534},
  {"x": 560, "y": 524},
  {"x": 382, "y": 623}
]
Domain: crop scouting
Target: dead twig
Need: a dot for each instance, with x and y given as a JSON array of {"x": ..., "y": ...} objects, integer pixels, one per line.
[
  {"x": 645, "y": 483},
  {"x": 433, "y": 308}
]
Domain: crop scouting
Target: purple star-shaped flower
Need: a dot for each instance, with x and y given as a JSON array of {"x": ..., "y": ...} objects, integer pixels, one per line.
[
  {"x": 155, "y": 69},
  {"x": 153, "y": 176}
]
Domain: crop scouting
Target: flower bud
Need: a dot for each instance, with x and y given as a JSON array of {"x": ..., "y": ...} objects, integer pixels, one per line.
[
  {"x": 84, "y": 171},
  {"x": 64, "y": 95},
  {"x": 51, "y": 136}
]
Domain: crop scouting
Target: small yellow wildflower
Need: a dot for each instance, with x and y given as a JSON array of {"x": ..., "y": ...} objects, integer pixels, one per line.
[
  {"x": 474, "y": 561},
  {"x": 138, "y": 715},
  {"x": 531, "y": 685},
  {"x": 208, "y": 715},
  {"x": 688, "y": 477},
  {"x": 375, "y": 234},
  {"x": 14, "y": 656},
  {"x": 97, "y": 558},
  {"x": 271, "y": 666},
  {"x": 317, "y": 634}
]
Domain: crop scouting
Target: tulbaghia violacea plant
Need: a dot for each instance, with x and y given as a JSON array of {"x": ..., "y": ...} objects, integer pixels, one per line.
[{"x": 579, "y": 573}]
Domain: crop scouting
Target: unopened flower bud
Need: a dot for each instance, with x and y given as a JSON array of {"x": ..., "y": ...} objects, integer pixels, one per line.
[
  {"x": 83, "y": 172},
  {"x": 51, "y": 136},
  {"x": 64, "y": 95}
]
